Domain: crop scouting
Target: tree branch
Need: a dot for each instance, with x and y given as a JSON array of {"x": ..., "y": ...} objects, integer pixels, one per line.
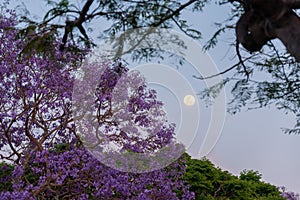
[
  {"x": 241, "y": 60},
  {"x": 223, "y": 72},
  {"x": 177, "y": 11},
  {"x": 76, "y": 23},
  {"x": 293, "y": 4}
]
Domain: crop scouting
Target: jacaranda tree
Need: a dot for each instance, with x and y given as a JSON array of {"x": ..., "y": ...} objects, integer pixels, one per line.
[{"x": 39, "y": 141}]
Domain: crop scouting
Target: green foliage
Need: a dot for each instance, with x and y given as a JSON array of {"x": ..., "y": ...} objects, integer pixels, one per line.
[
  {"x": 209, "y": 183},
  {"x": 30, "y": 176},
  {"x": 58, "y": 9},
  {"x": 73, "y": 20},
  {"x": 250, "y": 175},
  {"x": 59, "y": 148},
  {"x": 206, "y": 181},
  {"x": 214, "y": 39},
  {"x": 5, "y": 176}
]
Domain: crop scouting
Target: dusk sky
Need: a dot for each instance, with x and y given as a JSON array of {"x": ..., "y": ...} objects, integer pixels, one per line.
[{"x": 250, "y": 139}]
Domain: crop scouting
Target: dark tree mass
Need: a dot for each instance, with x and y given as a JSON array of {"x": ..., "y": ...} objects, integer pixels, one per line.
[{"x": 269, "y": 19}]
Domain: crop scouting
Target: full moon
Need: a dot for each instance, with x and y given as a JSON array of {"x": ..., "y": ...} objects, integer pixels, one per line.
[{"x": 189, "y": 100}]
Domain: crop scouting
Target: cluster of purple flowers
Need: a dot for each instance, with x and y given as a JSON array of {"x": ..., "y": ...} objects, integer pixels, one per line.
[
  {"x": 76, "y": 174},
  {"x": 288, "y": 194},
  {"x": 36, "y": 119}
]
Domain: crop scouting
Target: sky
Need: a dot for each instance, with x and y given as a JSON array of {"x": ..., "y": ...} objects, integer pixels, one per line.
[
  {"x": 251, "y": 139},
  {"x": 248, "y": 140}
]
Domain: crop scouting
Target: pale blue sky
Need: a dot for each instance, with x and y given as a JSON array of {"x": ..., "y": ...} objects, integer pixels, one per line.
[{"x": 249, "y": 140}]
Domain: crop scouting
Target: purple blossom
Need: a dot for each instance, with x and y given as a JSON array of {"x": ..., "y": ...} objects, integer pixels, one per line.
[
  {"x": 288, "y": 194},
  {"x": 38, "y": 132}
]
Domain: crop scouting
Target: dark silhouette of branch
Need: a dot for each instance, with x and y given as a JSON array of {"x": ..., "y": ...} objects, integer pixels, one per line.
[
  {"x": 269, "y": 19},
  {"x": 84, "y": 16},
  {"x": 293, "y": 4},
  {"x": 76, "y": 23},
  {"x": 175, "y": 12},
  {"x": 241, "y": 60},
  {"x": 223, "y": 72}
]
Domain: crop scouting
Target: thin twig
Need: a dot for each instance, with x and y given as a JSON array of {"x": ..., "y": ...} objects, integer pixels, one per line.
[
  {"x": 237, "y": 47},
  {"x": 223, "y": 72},
  {"x": 279, "y": 58}
]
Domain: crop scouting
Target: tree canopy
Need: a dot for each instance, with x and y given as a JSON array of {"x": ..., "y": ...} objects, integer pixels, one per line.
[
  {"x": 210, "y": 182},
  {"x": 255, "y": 30},
  {"x": 206, "y": 181}
]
